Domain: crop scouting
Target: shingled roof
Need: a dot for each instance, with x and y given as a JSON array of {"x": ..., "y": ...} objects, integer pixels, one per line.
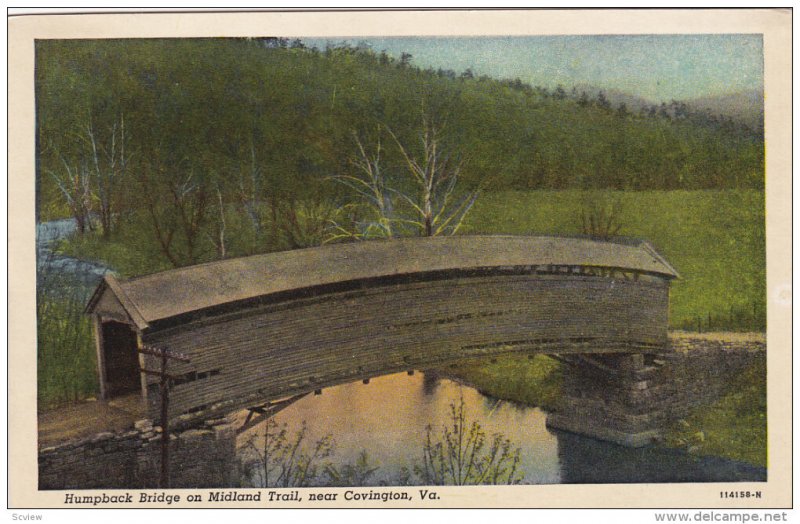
[{"x": 179, "y": 291}]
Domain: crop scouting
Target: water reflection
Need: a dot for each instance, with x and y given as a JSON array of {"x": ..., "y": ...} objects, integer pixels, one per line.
[
  {"x": 388, "y": 418},
  {"x": 588, "y": 461}
]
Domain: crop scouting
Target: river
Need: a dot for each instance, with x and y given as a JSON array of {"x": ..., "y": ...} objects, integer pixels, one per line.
[
  {"x": 63, "y": 275},
  {"x": 388, "y": 417}
]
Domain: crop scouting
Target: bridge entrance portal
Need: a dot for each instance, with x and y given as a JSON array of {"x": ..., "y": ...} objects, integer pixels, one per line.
[{"x": 120, "y": 359}]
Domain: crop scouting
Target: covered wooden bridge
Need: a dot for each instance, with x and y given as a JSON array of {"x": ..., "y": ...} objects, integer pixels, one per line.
[{"x": 268, "y": 327}]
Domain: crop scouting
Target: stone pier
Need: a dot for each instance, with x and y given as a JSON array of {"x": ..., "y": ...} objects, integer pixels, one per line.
[
  {"x": 613, "y": 397},
  {"x": 631, "y": 399}
]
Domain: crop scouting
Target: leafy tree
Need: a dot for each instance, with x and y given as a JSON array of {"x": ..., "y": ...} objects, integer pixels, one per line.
[
  {"x": 461, "y": 455},
  {"x": 278, "y": 459},
  {"x": 358, "y": 474}
]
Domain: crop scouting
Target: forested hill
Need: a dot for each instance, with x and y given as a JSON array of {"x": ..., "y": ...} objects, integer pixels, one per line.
[{"x": 223, "y": 108}]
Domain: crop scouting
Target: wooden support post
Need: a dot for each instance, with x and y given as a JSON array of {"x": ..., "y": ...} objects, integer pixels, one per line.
[
  {"x": 164, "y": 390},
  {"x": 163, "y": 386},
  {"x": 265, "y": 411},
  {"x": 97, "y": 326}
]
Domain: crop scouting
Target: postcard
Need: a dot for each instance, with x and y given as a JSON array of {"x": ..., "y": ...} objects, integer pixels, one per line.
[{"x": 400, "y": 259}]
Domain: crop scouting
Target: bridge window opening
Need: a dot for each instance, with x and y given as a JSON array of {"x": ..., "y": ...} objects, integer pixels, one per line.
[
  {"x": 120, "y": 359},
  {"x": 192, "y": 376},
  {"x": 650, "y": 359},
  {"x": 183, "y": 379}
]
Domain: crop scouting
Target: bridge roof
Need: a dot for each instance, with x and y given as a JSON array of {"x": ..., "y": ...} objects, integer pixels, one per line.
[{"x": 179, "y": 291}]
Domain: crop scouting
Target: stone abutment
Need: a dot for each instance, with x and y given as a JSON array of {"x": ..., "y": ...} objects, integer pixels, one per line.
[{"x": 632, "y": 399}]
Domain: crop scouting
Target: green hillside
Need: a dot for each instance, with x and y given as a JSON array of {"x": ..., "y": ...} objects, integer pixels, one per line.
[{"x": 220, "y": 108}]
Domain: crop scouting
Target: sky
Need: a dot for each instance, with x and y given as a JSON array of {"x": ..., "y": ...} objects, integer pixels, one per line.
[{"x": 655, "y": 67}]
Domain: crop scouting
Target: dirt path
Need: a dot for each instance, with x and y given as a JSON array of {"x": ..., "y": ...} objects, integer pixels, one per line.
[{"x": 75, "y": 421}]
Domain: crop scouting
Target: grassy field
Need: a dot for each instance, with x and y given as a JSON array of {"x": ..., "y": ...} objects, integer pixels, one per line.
[
  {"x": 66, "y": 360},
  {"x": 533, "y": 382},
  {"x": 734, "y": 426}
]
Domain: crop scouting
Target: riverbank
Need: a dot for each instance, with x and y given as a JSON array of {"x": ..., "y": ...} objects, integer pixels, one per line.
[
  {"x": 534, "y": 382},
  {"x": 732, "y": 425}
]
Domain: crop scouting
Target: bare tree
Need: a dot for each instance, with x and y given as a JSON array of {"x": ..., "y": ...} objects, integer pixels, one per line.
[
  {"x": 163, "y": 228},
  {"x": 437, "y": 207},
  {"x": 109, "y": 166},
  {"x": 74, "y": 184},
  {"x": 370, "y": 185},
  {"x": 190, "y": 198},
  {"x": 304, "y": 223},
  {"x": 95, "y": 165},
  {"x": 261, "y": 205},
  {"x": 218, "y": 239},
  {"x": 601, "y": 216},
  {"x": 249, "y": 190}
]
